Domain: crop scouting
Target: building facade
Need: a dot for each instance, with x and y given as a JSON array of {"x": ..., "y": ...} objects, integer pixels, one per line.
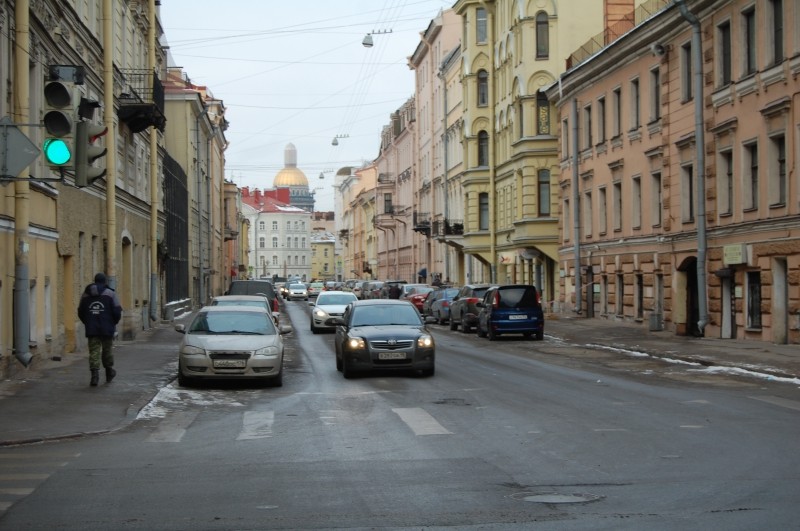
[{"x": 679, "y": 185}]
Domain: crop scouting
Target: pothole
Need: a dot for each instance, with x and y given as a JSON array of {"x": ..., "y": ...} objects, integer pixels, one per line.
[{"x": 556, "y": 497}]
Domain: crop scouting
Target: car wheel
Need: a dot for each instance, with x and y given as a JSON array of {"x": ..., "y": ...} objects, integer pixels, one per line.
[
  {"x": 313, "y": 328},
  {"x": 183, "y": 381},
  {"x": 527, "y": 335},
  {"x": 540, "y": 335},
  {"x": 491, "y": 333},
  {"x": 277, "y": 381},
  {"x": 453, "y": 323},
  {"x": 427, "y": 373},
  {"x": 465, "y": 328}
]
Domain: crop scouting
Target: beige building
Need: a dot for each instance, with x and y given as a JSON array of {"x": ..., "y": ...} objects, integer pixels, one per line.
[
  {"x": 511, "y": 51},
  {"x": 323, "y": 256},
  {"x": 654, "y": 230},
  {"x": 62, "y": 235}
]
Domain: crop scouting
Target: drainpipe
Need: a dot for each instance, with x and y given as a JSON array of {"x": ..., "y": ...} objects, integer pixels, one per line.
[
  {"x": 576, "y": 211},
  {"x": 700, "y": 184},
  {"x": 443, "y": 77},
  {"x": 201, "y": 294},
  {"x": 151, "y": 64},
  {"x": 491, "y": 161}
]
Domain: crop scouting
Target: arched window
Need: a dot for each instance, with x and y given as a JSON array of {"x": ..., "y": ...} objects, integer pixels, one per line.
[
  {"x": 262, "y": 242},
  {"x": 275, "y": 259},
  {"x": 262, "y": 225},
  {"x": 483, "y": 88},
  {"x": 483, "y": 148},
  {"x": 304, "y": 244},
  {"x": 483, "y": 211},
  {"x": 274, "y": 225},
  {"x": 275, "y": 241},
  {"x": 542, "y": 36}
]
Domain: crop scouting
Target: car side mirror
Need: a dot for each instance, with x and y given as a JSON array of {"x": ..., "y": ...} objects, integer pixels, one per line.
[{"x": 180, "y": 328}]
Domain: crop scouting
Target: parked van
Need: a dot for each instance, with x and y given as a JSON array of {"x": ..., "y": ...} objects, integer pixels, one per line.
[{"x": 510, "y": 309}]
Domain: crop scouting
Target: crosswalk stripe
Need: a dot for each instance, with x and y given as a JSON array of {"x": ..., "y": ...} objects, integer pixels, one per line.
[
  {"x": 256, "y": 425},
  {"x": 420, "y": 421},
  {"x": 173, "y": 427}
]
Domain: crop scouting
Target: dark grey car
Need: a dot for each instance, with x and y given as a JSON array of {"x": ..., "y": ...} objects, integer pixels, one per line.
[
  {"x": 382, "y": 334},
  {"x": 464, "y": 306}
]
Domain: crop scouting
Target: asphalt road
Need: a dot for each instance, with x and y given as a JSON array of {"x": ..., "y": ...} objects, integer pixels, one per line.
[{"x": 512, "y": 434}]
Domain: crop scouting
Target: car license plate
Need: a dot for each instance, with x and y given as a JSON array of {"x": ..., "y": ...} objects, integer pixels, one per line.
[
  {"x": 391, "y": 355},
  {"x": 230, "y": 364},
  {"x": 517, "y": 317}
]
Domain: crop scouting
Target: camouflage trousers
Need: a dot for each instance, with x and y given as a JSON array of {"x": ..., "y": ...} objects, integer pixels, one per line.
[{"x": 100, "y": 350}]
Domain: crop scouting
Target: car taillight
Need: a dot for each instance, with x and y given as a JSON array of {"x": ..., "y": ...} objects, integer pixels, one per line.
[
  {"x": 446, "y": 304},
  {"x": 471, "y": 300},
  {"x": 496, "y": 300}
]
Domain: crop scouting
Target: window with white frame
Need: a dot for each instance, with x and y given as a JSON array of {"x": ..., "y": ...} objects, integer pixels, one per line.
[
  {"x": 750, "y": 166},
  {"x": 636, "y": 200},
  {"x": 775, "y": 39},
  {"x": 655, "y": 94},
  {"x": 274, "y": 241},
  {"x": 262, "y": 242},
  {"x": 616, "y": 109},
  {"x": 777, "y": 170},
  {"x": 483, "y": 88},
  {"x": 724, "y": 55},
  {"x": 587, "y": 127},
  {"x": 483, "y": 211},
  {"x": 725, "y": 183},
  {"x": 274, "y": 225},
  {"x": 656, "y": 204},
  {"x": 544, "y": 192},
  {"x": 687, "y": 193},
  {"x": 601, "y": 119},
  {"x": 687, "y": 81},
  {"x": 587, "y": 214},
  {"x": 636, "y": 105},
  {"x": 602, "y": 211},
  {"x": 542, "y": 35},
  {"x": 749, "y": 57},
  {"x": 480, "y": 26},
  {"x": 617, "y": 198},
  {"x": 262, "y": 225}
]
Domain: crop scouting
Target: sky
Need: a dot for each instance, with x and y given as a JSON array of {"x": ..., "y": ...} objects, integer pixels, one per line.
[{"x": 297, "y": 72}]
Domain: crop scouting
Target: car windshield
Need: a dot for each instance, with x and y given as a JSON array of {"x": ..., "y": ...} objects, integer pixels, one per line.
[
  {"x": 297, "y": 286},
  {"x": 387, "y": 314},
  {"x": 517, "y": 297},
  {"x": 232, "y": 323},
  {"x": 449, "y": 293},
  {"x": 338, "y": 299}
]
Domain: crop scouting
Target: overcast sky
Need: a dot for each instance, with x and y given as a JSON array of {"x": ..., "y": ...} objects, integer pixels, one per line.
[{"x": 297, "y": 72}]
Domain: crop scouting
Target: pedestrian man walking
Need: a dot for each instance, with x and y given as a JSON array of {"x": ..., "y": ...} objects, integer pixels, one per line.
[{"x": 100, "y": 311}]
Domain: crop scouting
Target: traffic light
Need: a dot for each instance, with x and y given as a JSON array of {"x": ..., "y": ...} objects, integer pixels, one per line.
[
  {"x": 86, "y": 134},
  {"x": 58, "y": 121}
]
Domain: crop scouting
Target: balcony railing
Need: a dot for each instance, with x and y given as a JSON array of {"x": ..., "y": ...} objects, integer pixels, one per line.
[
  {"x": 141, "y": 103},
  {"x": 422, "y": 223}
]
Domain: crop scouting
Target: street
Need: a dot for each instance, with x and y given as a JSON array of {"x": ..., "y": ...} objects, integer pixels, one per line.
[{"x": 505, "y": 436}]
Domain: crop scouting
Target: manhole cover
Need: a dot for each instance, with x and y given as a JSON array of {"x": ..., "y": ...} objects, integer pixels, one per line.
[{"x": 555, "y": 497}]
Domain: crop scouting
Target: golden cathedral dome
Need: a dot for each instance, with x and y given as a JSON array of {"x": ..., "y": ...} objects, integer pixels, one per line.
[{"x": 290, "y": 175}]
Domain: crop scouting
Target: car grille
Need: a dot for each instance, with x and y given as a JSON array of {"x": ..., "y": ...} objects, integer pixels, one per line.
[{"x": 392, "y": 344}]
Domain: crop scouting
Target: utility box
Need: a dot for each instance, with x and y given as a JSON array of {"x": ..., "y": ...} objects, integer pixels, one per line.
[{"x": 656, "y": 322}]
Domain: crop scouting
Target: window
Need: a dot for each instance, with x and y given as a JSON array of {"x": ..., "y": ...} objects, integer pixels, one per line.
[
  {"x": 635, "y": 105},
  {"x": 751, "y": 178},
  {"x": 288, "y": 243},
  {"x": 754, "y": 299},
  {"x": 303, "y": 243},
  {"x": 288, "y": 225},
  {"x": 655, "y": 199},
  {"x": 587, "y": 127},
  {"x": 483, "y": 211},
  {"x": 483, "y": 88},
  {"x": 565, "y": 147},
  {"x": 777, "y": 189},
  {"x": 725, "y": 180},
  {"x": 687, "y": 193},
  {"x": 274, "y": 259},
  {"x": 601, "y": 120},
  {"x": 775, "y": 12},
  {"x": 617, "y": 110},
  {"x": 724, "y": 53},
  {"x": 617, "y": 206},
  {"x": 274, "y": 241},
  {"x": 262, "y": 242},
  {"x": 565, "y": 221},
  {"x": 749, "y": 35},
  {"x": 262, "y": 225},
  {"x": 686, "y": 72},
  {"x": 387, "y": 204},
  {"x": 274, "y": 225},
  {"x": 587, "y": 214},
  {"x": 542, "y": 36},
  {"x": 602, "y": 213},
  {"x": 542, "y": 114},
  {"x": 620, "y": 294},
  {"x": 483, "y": 148},
  {"x": 655, "y": 95},
  {"x": 636, "y": 198},
  {"x": 544, "y": 192},
  {"x": 639, "y": 296},
  {"x": 480, "y": 25},
  {"x": 296, "y": 243}
]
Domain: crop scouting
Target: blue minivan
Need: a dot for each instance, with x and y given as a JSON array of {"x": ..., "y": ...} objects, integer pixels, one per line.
[{"x": 510, "y": 309}]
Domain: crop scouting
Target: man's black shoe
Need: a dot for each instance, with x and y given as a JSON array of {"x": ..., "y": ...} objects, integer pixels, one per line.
[
  {"x": 110, "y": 373},
  {"x": 95, "y": 377}
]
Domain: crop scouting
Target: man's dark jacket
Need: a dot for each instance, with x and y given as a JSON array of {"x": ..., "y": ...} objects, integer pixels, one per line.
[{"x": 99, "y": 310}]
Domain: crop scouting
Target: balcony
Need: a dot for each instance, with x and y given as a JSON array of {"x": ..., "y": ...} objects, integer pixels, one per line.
[
  {"x": 385, "y": 178},
  {"x": 344, "y": 234},
  {"x": 422, "y": 223},
  {"x": 141, "y": 104},
  {"x": 230, "y": 233}
]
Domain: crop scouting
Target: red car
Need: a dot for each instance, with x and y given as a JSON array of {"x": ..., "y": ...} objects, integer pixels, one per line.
[{"x": 417, "y": 295}]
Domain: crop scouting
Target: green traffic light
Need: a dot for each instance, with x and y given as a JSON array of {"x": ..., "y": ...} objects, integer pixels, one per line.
[{"x": 56, "y": 151}]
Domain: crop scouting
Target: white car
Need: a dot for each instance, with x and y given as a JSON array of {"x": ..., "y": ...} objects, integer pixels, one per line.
[
  {"x": 329, "y": 304},
  {"x": 233, "y": 342},
  {"x": 297, "y": 291},
  {"x": 259, "y": 301}
]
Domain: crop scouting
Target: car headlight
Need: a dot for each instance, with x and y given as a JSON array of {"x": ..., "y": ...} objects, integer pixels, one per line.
[
  {"x": 319, "y": 313},
  {"x": 425, "y": 341},
  {"x": 191, "y": 350},
  {"x": 266, "y": 351},
  {"x": 356, "y": 343}
]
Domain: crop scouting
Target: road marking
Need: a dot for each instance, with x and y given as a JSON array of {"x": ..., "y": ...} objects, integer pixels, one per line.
[
  {"x": 610, "y": 429},
  {"x": 420, "y": 421},
  {"x": 256, "y": 425},
  {"x": 24, "y": 477},
  {"x": 691, "y": 427},
  {"x": 16, "y": 492},
  {"x": 778, "y": 401},
  {"x": 173, "y": 427}
]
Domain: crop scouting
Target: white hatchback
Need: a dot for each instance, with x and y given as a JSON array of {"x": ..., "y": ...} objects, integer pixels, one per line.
[{"x": 329, "y": 304}]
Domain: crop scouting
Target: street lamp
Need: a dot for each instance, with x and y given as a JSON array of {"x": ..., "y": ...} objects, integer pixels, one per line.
[
  {"x": 367, "y": 42},
  {"x": 335, "y": 141}
]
